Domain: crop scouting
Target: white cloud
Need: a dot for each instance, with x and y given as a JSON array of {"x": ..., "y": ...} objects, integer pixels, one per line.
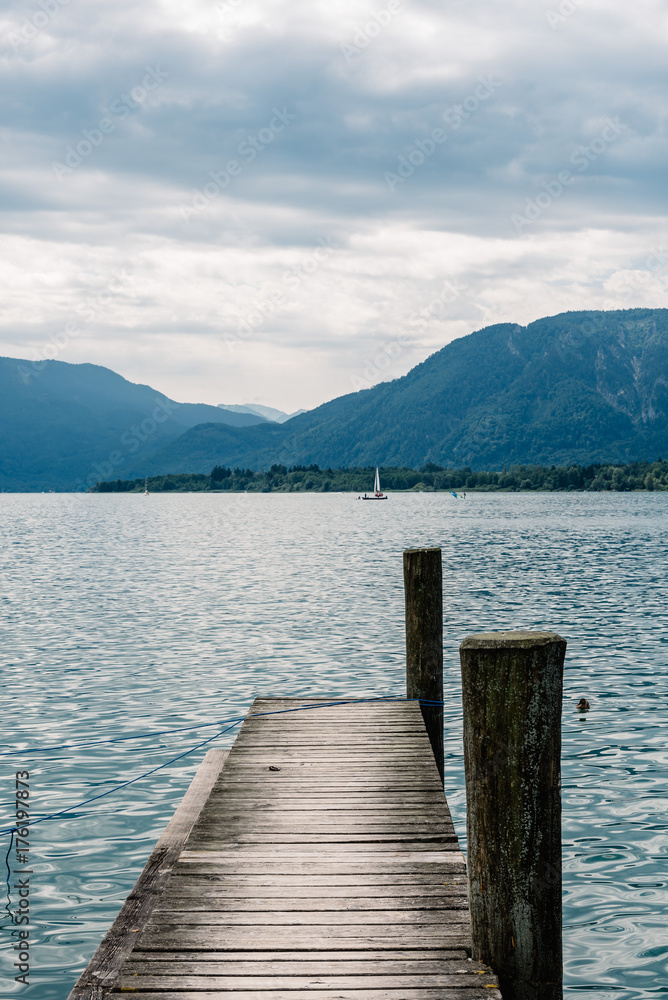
[{"x": 226, "y": 67}]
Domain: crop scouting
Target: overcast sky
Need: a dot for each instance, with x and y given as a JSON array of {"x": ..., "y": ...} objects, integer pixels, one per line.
[{"x": 280, "y": 201}]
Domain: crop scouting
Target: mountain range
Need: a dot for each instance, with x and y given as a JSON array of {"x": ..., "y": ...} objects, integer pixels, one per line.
[
  {"x": 63, "y": 426},
  {"x": 268, "y": 412},
  {"x": 580, "y": 387}
]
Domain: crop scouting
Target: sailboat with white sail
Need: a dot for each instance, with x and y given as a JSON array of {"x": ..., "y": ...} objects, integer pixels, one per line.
[{"x": 377, "y": 492}]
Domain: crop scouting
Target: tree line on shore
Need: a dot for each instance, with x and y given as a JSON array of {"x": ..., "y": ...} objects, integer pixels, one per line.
[{"x": 647, "y": 476}]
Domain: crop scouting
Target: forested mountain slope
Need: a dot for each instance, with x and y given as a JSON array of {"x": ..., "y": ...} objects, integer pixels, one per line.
[
  {"x": 580, "y": 387},
  {"x": 63, "y": 426}
]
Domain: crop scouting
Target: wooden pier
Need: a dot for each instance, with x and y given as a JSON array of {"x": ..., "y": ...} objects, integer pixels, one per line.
[{"x": 319, "y": 857}]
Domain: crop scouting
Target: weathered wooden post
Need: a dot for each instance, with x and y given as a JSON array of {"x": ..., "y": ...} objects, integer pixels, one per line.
[
  {"x": 512, "y": 690},
  {"x": 423, "y": 586}
]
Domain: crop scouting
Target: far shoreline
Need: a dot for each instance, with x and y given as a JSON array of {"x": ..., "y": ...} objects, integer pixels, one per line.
[{"x": 633, "y": 477}]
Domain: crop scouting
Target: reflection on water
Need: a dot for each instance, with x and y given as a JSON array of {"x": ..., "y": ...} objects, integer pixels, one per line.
[{"x": 125, "y": 614}]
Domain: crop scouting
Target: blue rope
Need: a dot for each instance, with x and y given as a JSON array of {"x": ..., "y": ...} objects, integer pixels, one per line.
[
  {"x": 9, "y": 871},
  {"x": 117, "y": 739},
  {"x": 234, "y": 722},
  {"x": 117, "y": 788},
  {"x": 204, "y": 725}
]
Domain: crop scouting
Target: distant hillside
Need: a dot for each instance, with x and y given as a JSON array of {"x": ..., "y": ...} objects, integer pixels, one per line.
[
  {"x": 581, "y": 387},
  {"x": 268, "y": 412},
  {"x": 63, "y": 426}
]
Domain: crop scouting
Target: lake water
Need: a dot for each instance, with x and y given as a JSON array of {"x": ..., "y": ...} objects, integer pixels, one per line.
[{"x": 127, "y": 615}]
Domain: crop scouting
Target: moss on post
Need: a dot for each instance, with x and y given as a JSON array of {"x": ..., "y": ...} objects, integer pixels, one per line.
[{"x": 512, "y": 692}]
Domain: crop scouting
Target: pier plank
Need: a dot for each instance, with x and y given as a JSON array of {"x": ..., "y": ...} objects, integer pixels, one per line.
[
  {"x": 324, "y": 861},
  {"x": 314, "y": 961},
  {"x": 314, "y": 993},
  {"x": 179, "y": 886},
  {"x": 212, "y": 901},
  {"x": 277, "y": 981},
  {"x": 104, "y": 967},
  {"x": 153, "y": 963}
]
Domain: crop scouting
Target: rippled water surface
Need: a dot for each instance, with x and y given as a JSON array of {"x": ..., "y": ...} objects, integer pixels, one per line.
[{"x": 125, "y": 615}]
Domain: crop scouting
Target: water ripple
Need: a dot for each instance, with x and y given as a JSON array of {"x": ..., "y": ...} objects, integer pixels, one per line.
[{"x": 125, "y": 614}]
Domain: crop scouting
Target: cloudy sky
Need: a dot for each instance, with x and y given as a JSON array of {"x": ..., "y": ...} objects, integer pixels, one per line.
[{"x": 281, "y": 201}]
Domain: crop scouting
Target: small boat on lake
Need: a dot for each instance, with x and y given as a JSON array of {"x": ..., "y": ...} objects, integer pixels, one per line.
[{"x": 377, "y": 493}]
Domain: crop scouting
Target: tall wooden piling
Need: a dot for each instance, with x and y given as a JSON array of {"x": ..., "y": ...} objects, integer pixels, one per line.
[
  {"x": 423, "y": 585},
  {"x": 512, "y": 692}
]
